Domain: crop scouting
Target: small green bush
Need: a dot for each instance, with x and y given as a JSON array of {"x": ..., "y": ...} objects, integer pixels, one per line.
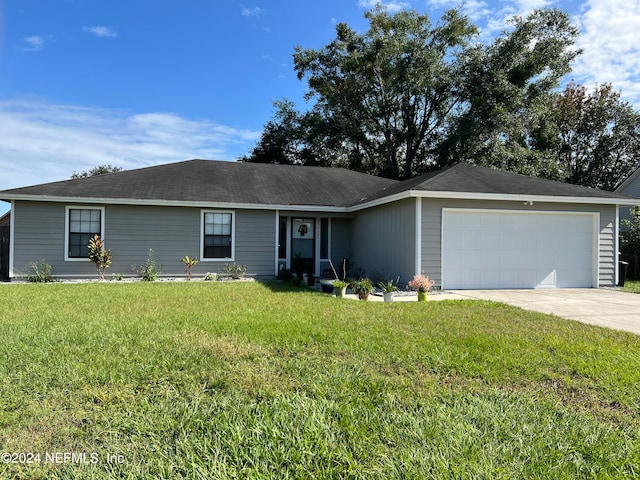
[
  {"x": 235, "y": 271},
  {"x": 149, "y": 270},
  {"x": 99, "y": 255},
  {"x": 210, "y": 277},
  {"x": 285, "y": 275},
  {"x": 189, "y": 263},
  {"x": 39, "y": 272}
]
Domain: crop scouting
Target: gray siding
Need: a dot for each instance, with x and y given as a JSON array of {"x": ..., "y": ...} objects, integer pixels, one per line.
[
  {"x": 340, "y": 242},
  {"x": 39, "y": 235},
  {"x": 631, "y": 190},
  {"x": 432, "y": 230},
  {"x": 384, "y": 240},
  {"x": 255, "y": 243},
  {"x": 130, "y": 231}
]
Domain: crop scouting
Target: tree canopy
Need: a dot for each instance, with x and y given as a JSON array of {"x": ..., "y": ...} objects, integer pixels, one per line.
[
  {"x": 408, "y": 96},
  {"x": 99, "y": 170}
]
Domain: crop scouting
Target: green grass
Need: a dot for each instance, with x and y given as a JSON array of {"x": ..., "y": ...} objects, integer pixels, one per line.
[
  {"x": 632, "y": 286},
  {"x": 220, "y": 380}
]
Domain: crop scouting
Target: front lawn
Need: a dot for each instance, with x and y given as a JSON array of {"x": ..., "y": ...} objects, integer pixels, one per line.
[
  {"x": 244, "y": 380},
  {"x": 632, "y": 286}
]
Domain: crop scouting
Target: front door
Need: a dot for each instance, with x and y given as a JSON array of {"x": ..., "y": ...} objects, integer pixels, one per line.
[{"x": 303, "y": 246}]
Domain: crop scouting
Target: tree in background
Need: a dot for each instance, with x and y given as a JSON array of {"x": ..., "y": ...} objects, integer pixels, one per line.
[
  {"x": 406, "y": 96},
  {"x": 99, "y": 170},
  {"x": 382, "y": 99},
  {"x": 595, "y": 136},
  {"x": 507, "y": 91}
]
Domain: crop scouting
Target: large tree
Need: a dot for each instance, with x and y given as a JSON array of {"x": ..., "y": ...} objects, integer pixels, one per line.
[
  {"x": 595, "y": 136},
  {"x": 507, "y": 90},
  {"x": 391, "y": 90},
  {"x": 407, "y": 96}
]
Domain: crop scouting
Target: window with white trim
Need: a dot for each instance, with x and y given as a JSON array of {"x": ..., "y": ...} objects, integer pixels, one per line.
[
  {"x": 217, "y": 235},
  {"x": 82, "y": 223}
]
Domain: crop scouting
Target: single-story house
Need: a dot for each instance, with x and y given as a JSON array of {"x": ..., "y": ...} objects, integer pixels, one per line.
[{"x": 465, "y": 226}]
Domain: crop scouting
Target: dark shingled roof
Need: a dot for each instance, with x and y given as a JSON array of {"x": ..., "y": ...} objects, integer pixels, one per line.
[
  {"x": 208, "y": 181},
  {"x": 466, "y": 178},
  {"x": 211, "y": 181}
]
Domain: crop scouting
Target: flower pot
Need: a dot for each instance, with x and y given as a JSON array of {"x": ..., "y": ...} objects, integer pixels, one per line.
[
  {"x": 388, "y": 296},
  {"x": 340, "y": 292},
  {"x": 422, "y": 296},
  {"x": 363, "y": 295}
]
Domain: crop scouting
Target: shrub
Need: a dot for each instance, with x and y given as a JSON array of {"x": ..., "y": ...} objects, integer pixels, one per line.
[
  {"x": 149, "y": 270},
  {"x": 285, "y": 275},
  {"x": 189, "y": 262},
  {"x": 296, "y": 281},
  {"x": 421, "y": 283},
  {"x": 630, "y": 243},
  {"x": 39, "y": 272},
  {"x": 235, "y": 271},
  {"x": 210, "y": 277},
  {"x": 100, "y": 256}
]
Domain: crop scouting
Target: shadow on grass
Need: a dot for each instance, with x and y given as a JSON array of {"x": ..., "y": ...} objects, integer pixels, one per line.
[{"x": 279, "y": 286}]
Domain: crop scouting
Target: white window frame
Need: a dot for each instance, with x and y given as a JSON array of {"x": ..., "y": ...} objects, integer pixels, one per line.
[
  {"x": 67, "y": 208},
  {"x": 233, "y": 236}
]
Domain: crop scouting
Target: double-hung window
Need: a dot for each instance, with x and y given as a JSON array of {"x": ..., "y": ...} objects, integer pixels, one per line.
[
  {"x": 82, "y": 223},
  {"x": 217, "y": 235}
]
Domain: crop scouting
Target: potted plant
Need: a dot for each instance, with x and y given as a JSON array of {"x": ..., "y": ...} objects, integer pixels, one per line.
[
  {"x": 422, "y": 284},
  {"x": 388, "y": 288},
  {"x": 362, "y": 288},
  {"x": 340, "y": 288}
]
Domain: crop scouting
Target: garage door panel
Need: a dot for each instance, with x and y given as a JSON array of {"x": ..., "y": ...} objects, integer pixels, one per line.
[
  {"x": 546, "y": 279},
  {"x": 515, "y": 249}
]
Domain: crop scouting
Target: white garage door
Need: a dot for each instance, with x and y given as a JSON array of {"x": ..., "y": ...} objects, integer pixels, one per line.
[{"x": 516, "y": 249}]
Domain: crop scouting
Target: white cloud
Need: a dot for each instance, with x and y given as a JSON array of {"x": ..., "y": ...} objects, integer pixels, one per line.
[
  {"x": 474, "y": 9},
  {"x": 527, "y": 6},
  {"x": 610, "y": 43},
  {"x": 33, "y": 43},
  {"x": 256, "y": 12},
  {"x": 43, "y": 142},
  {"x": 100, "y": 31},
  {"x": 388, "y": 6}
]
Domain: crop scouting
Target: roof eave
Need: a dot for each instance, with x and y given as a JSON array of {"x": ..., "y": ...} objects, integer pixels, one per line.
[
  {"x": 497, "y": 196},
  {"x": 628, "y": 181},
  {"x": 332, "y": 208},
  {"x": 178, "y": 203}
]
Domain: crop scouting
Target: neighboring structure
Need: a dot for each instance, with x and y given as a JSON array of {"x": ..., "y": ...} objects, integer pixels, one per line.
[
  {"x": 5, "y": 235},
  {"x": 630, "y": 188},
  {"x": 464, "y": 226}
]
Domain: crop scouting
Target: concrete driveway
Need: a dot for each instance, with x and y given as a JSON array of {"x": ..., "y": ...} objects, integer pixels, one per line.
[{"x": 602, "y": 307}]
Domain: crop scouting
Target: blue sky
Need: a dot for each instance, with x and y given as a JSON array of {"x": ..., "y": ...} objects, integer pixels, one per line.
[{"x": 140, "y": 82}]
